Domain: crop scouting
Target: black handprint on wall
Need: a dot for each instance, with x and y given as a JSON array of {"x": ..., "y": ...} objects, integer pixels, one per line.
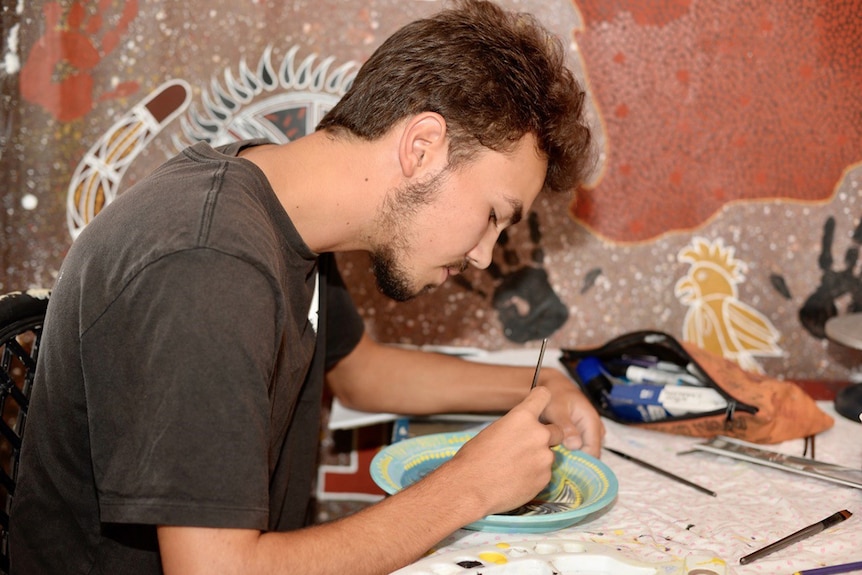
[
  {"x": 820, "y": 306},
  {"x": 523, "y": 297}
]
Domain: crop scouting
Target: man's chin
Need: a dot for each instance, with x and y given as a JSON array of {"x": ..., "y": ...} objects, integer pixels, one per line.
[
  {"x": 404, "y": 294},
  {"x": 394, "y": 283}
]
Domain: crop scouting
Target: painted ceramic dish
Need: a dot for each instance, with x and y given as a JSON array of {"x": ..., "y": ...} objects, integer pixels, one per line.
[{"x": 580, "y": 484}]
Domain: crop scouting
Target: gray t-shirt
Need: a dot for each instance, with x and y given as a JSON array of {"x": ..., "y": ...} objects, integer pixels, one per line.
[{"x": 181, "y": 372}]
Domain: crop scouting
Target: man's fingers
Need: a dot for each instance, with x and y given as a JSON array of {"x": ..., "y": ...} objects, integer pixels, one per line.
[
  {"x": 591, "y": 432},
  {"x": 592, "y": 442},
  {"x": 556, "y": 436},
  {"x": 536, "y": 401},
  {"x": 573, "y": 440}
]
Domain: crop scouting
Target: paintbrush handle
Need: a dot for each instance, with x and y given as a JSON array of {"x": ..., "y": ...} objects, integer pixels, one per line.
[
  {"x": 832, "y": 569},
  {"x": 660, "y": 471},
  {"x": 539, "y": 364},
  {"x": 803, "y": 533}
]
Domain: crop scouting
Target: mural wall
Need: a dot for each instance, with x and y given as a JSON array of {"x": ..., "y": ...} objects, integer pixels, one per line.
[{"x": 725, "y": 206}]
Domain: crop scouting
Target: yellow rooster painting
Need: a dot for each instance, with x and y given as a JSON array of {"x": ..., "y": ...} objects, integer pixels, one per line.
[{"x": 716, "y": 319}]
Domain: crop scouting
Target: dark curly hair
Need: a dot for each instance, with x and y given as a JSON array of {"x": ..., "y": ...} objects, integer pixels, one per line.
[{"x": 493, "y": 75}]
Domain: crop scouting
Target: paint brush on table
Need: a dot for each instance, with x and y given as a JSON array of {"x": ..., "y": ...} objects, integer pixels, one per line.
[
  {"x": 803, "y": 533},
  {"x": 832, "y": 569},
  {"x": 661, "y": 471},
  {"x": 539, "y": 365}
]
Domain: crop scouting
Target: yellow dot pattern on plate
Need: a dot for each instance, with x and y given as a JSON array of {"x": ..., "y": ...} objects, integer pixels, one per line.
[
  {"x": 446, "y": 454},
  {"x": 502, "y": 545},
  {"x": 493, "y": 557},
  {"x": 384, "y": 468},
  {"x": 597, "y": 485}
]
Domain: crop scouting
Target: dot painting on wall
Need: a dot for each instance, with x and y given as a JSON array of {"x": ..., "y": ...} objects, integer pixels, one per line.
[{"x": 726, "y": 188}]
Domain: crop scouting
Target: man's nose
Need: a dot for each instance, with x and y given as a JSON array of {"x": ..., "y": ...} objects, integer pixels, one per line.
[{"x": 480, "y": 256}]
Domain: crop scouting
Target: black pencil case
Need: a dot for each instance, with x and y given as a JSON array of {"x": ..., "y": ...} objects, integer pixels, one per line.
[{"x": 741, "y": 404}]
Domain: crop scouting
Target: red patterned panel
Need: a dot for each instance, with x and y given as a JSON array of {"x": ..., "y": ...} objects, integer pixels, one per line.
[
  {"x": 705, "y": 103},
  {"x": 59, "y": 72}
]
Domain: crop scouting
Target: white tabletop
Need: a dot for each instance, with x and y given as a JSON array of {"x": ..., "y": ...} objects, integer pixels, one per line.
[{"x": 656, "y": 520}]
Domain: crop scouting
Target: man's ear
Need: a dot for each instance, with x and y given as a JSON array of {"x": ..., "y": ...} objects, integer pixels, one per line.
[{"x": 423, "y": 147}]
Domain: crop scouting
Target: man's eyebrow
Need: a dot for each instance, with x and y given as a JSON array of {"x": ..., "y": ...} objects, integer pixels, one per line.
[{"x": 517, "y": 211}]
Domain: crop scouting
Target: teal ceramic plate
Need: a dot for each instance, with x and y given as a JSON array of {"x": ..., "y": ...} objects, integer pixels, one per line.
[{"x": 580, "y": 484}]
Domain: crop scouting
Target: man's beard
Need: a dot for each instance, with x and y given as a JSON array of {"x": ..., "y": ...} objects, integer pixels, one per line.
[
  {"x": 392, "y": 280},
  {"x": 400, "y": 207}
]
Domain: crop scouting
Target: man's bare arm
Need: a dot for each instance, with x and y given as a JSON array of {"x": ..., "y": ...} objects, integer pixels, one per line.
[
  {"x": 504, "y": 466},
  {"x": 381, "y": 378}
]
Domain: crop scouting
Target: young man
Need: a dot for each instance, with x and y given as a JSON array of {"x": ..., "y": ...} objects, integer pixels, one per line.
[{"x": 175, "y": 418}]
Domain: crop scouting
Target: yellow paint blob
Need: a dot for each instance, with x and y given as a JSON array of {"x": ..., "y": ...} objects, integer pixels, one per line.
[{"x": 492, "y": 557}]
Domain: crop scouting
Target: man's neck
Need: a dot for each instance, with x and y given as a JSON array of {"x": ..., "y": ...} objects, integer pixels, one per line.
[{"x": 330, "y": 187}]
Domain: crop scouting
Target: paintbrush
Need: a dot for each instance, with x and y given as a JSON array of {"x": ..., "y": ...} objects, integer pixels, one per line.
[
  {"x": 539, "y": 365},
  {"x": 797, "y": 536},
  {"x": 660, "y": 471}
]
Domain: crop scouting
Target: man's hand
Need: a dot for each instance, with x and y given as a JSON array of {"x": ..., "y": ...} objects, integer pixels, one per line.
[
  {"x": 570, "y": 409},
  {"x": 508, "y": 462}
]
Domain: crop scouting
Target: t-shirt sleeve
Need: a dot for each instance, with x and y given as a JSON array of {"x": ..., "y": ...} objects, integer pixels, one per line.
[
  {"x": 344, "y": 325},
  {"x": 177, "y": 375}
]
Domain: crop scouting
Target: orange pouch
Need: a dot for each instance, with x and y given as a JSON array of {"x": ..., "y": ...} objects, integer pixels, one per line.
[{"x": 734, "y": 402}]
